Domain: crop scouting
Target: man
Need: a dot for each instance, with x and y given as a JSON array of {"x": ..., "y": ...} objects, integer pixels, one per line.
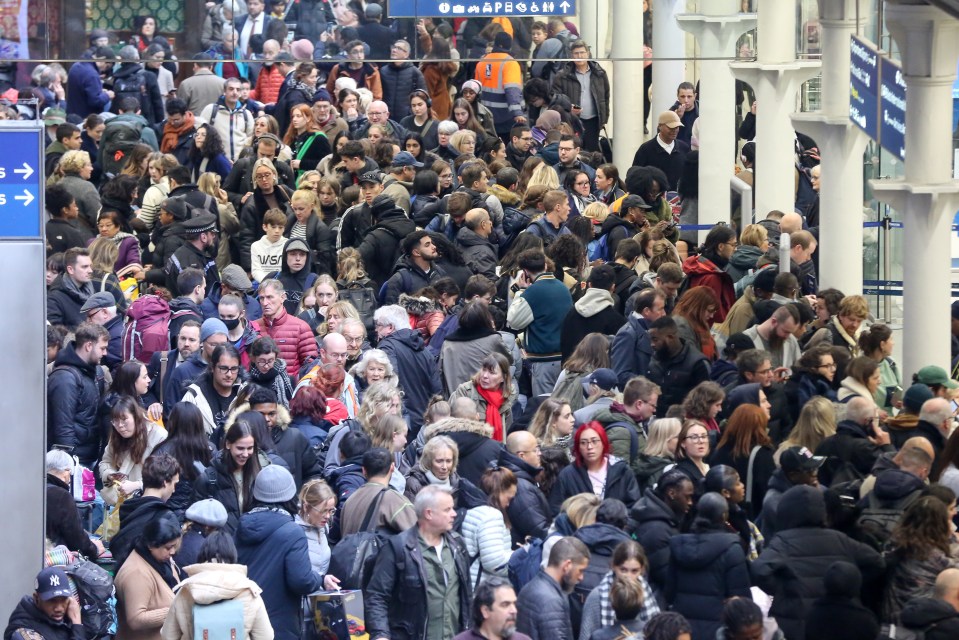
[
  {"x": 239, "y": 182},
  {"x": 540, "y": 305},
  {"x": 291, "y": 445},
  {"x": 676, "y": 366},
  {"x": 755, "y": 366},
  {"x": 569, "y": 160},
  {"x": 529, "y": 512},
  {"x": 164, "y": 363},
  {"x": 255, "y": 22},
  {"x": 553, "y": 222},
  {"x": 269, "y": 78},
  {"x": 239, "y": 329},
  {"x": 473, "y": 242},
  {"x": 51, "y": 613},
  {"x": 200, "y": 233},
  {"x": 894, "y": 491},
  {"x": 183, "y": 188},
  {"x": 67, "y": 139},
  {"x": 213, "y": 334},
  {"x": 74, "y": 389},
  {"x": 802, "y": 247},
  {"x": 935, "y": 424},
  {"x": 400, "y": 78},
  {"x": 797, "y": 466},
  {"x": 131, "y": 79},
  {"x": 358, "y": 219},
  {"x": 502, "y": 81},
  {"x": 177, "y": 130},
  {"x": 71, "y": 289},
  {"x": 544, "y": 602},
  {"x": 415, "y": 269},
  {"x": 203, "y": 88},
  {"x": 477, "y": 287},
  {"x": 357, "y": 165},
  {"x": 234, "y": 281},
  {"x": 856, "y": 445},
  {"x": 890, "y": 460},
  {"x": 214, "y": 393},
  {"x": 632, "y": 351},
  {"x": 379, "y": 113},
  {"x": 394, "y": 512},
  {"x": 231, "y": 119},
  {"x": 595, "y": 311},
  {"x": 937, "y": 617},
  {"x": 85, "y": 92},
  {"x": 413, "y": 363},
  {"x": 630, "y": 222},
  {"x": 377, "y": 35},
  {"x": 430, "y": 565},
  {"x": 687, "y": 108},
  {"x": 101, "y": 308},
  {"x": 518, "y": 149},
  {"x": 586, "y": 85},
  {"x": 664, "y": 151},
  {"x": 775, "y": 335},
  {"x": 334, "y": 349},
  {"x": 399, "y": 180},
  {"x": 112, "y": 143},
  {"x": 63, "y": 525},
  {"x": 493, "y": 612},
  {"x": 365, "y": 74},
  {"x": 474, "y": 181},
  {"x": 382, "y": 245},
  {"x": 627, "y": 424},
  {"x": 658, "y": 516},
  {"x": 458, "y": 204},
  {"x": 354, "y": 332},
  {"x": 191, "y": 285},
  {"x": 741, "y": 315},
  {"x": 294, "y": 336},
  {"x": 326, "y": 116}
]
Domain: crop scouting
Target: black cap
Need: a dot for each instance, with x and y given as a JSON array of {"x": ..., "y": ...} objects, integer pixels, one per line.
[
  {"x": 799, "y": 459},
  {"x": 371, "y": 177},
  {"x": 633, "y": 201},
  {"x": 200, "y": 224},
  {"x": 738, "y": 342},
  {"x": 765, "y": 280}
]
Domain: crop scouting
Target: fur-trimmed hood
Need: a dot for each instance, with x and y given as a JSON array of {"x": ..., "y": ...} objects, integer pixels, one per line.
[
  {"x": 282, "y": 416},
  {"x": 418, "y": 305},
  {"x": 457, "y": 425}
]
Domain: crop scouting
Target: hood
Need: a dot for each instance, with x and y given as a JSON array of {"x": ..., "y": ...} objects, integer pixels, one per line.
[
  {"x": 780, "y": 482},
  {"x": 282, "y": 414},
  {"x": 884, "y": 462},
  {"x": 257, "y": 526},
  {"x": 131, "y": 117},
  {"x": 127, "y": 69},
  {"x": 700, "y": 550},
  {"x": 601, "y": 538},
  {"x": 457, "y": 425},
  {"x": 212, "y": 582},
  {"x": 505, "y": 196},
  {"x": 184, "y": 303},
  {"x": 408, "y": 337},
  {"x": 302, "y": 273},
  {"x": 68, "y": 356},
  {"x": 593, "y": 301},
  {"x": 623, "y": 275},
  {"x": 612, "y": 221},
  {"x": 417, "y": 306},
  {"x": 893, "y": 485},
  {"x": 336, "y": 473},
  {"x": 745, "y": 257},
  {"x": 903, "y": 421},
  {"x": 920, "y": 613},
  {"x": 801, "y": 507},
  {"x": 141, "y": 508},
  {"x": 396, "y": 223},
  {"x": 697, "y": 265},
  {"x": 519, "y": 467},
  {"x": 743, "y": 394},
  {"x": 469, "y": 238},
  {"x": 651, "y": 508},
  {"x": 850, "y": 428}
]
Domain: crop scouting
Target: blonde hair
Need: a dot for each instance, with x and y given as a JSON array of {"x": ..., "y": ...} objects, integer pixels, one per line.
[
  {"x": 457, "y": 139},
  {"x": 103, "y": 254},
  {"x": 73, "y": 161},
  {"x": 305, "y": 195},
  {"x": 660, "y": 433},
  {"x": 306, "y": 176},
  {"x": 381, "y": 434},
  {"x": 541, "y": 425},
  {"x": 544, "y": 175},
  {"x": 314, "y": 493},
  {"x": 264, "y": 162},
  {"x": 311, "y": 291},
  {"x": 209, "y": 183},
  {"x": 581, "y": 509},
  {"x": 344, "y": 308},
  {"x": 817, "y": 421},
  {"x": 163, "y": 162},
  {"x": 754, "y": 235},
  {"x": 377, "y": 398},
  {"x": 596, "y": 211},
  {"x": 349, "y": 265},
  {"x": 433, "y": 446},
  {"x": 854, "y": 307}
]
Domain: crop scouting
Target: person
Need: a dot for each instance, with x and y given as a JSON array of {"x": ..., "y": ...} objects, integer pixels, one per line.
[
  {"x": 937, "y": 615},
  {"x": 746, "y": 447},
  {"x": 400, "y": 80},
  {"x": 706, "y": 567},
  {"x": 544, "y": 605},
  {"x": 214, "y": 391},
  {"x": 395, "y": 513},
  {"x": 528, "y": 512},
  {"x": 290, "y": 446},
  {"x": 416, "y": 268},
  {"x": 473, "y": 241},
  {"x": 63, "y": 524},
  {"x": 317, "y": 507},
  {"x": 627, "y": 564},
  {"x": 552, "y": 224},
  {"x": 431, "y": 563},
  {"x": 664, "y": 152},
  {"x": 486, "y": 528},
  {"x": 51, "y": 612},
  {"x": 707, "y": 268},
  {"x": 587, "y": 87},
  {"x": 307, "y": 224},
  {"x": 308, "y": 144},
  {"x": 101, "y": 308},
  {"x": 472, "y": 342},
  {"x": 274, "y": 549},
  {"x": 145, "y": 582},
  {"x": 187, "y": 443},
  {"x": 658, "y": 515},
  {"x": 807, "y": 548},
  {"x": 844, "y": 328},
  {"x": 840, "y": 613},
  {"x": 131, "y": 441},
  {"x": 631, "y": 349},
  {"x": 63, "y": 230},
  {"x": 71, "y": 289},
  {"x": 296, "y": 341},
  {"x": 295, "y": 273},
  {"x": 676, "y": 366},
  {"x": 595, "y": 311},
  {"x": 594, "y": 470},
  {"x": 798, "y": 466},
  {"x": 493, "y": 612},
  {"x": 200, "y": 233},
  {"x": 235, "y": 126},
  {"x": 383, "y": 243},
  {"x": 857, "y": 444},
  {"x": 491, "y": 388}
]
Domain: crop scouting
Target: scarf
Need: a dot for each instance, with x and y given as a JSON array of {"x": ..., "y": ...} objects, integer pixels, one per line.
[
  {"x": 167, "y": 570},
  {"x": 494, "y": 400},
  {"x": 171, "y": 134},
  {"x": 850, "y": 341},
  {"x": 437, "y": 482}
]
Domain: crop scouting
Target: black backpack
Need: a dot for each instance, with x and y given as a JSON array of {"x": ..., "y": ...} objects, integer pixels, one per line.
[
  {"x": 97, "y": 598},
  {"x": 129, "y": 86},
  {"x": 875, "y": 522},
  {"x": 119, "y": 138},
  {"x": 514, "y": 223},
  {"x": 363, "y": 299},
  {"x": 353, "y": 557}
]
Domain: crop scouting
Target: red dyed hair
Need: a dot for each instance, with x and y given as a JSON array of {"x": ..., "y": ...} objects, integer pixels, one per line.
[
  {"x": 309, "y": 401},
  {"x": 600, "y": 431},
  {"x": 329, "y": 379},
  {"x": 311, "y": 125}
]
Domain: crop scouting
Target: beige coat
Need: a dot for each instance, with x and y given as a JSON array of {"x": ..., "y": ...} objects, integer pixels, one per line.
[
  {"x": 210, "y": 583},
  {"x": 143, "y": 600},
  {"x": 134, "y": 471}
]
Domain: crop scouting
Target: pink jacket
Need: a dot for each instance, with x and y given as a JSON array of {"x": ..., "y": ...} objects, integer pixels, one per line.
[{"x": 293, "y": 336}]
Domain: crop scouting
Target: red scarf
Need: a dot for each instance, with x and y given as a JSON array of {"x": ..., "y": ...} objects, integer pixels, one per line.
[
  {"x": 171, "y": 134},
  {"x": 494, "y": 400}
]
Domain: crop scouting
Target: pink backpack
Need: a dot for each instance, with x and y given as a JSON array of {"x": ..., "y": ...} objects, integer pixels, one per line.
[{"x": 148, "y": 328}]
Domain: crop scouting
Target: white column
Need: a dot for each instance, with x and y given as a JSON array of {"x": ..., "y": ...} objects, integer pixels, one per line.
[
  {"x": 776, "y": 77},
  {"x": 628, "y": 82},
  {"x": 716, "y": 31},
  {"x": 669, "y": 41},
  {"x": 589, "y": 25},
  {"x": 841, "y": 145},
  {"x": 927, "y": 197}
]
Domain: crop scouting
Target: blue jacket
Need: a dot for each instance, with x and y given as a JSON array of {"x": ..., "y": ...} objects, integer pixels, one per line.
[
  {"x": 632, "y": 350},
  {"x": 550, "y": 301},
  {"x": 183, "y": 376},
  {"x": 85, "y": 94},
  {"x": 416, "y": 367},
  {"x": 275, "y": 552},
  {"x": 210, "y": 304}
]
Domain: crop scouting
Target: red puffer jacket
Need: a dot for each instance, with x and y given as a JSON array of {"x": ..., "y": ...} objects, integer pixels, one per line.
[{"x": 293, "y": 336}]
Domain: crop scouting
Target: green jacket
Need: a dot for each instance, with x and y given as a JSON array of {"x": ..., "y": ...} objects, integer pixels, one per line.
[{"x": 619, "y": 438}]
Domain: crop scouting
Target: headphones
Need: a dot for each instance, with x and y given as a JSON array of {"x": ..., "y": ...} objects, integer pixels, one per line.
[
  {"x": 424, "y": 95},
  {"x": 266, "y": 136}
]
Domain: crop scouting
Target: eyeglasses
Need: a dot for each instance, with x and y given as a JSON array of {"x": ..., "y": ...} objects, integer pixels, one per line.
[
  {"x": 260, "y": 362},
  {"x": 264, "y": 176},
  {"x": 324, "y": 512},
  {"x": 223, "y": 369},
  {"x": 582, "y": 183},
  {"x": 589, "y": 444},
  {"x": 831, "y": 366},
  {"x": 698, "y": 438}
]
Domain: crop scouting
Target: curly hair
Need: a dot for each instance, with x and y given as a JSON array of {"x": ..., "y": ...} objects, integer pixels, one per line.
[
  {"x": 923, "y": 528},
  {"x": 212, "y": 146}
]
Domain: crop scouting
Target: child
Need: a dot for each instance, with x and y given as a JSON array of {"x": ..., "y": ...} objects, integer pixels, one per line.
[
  {"x": 296, "y": 274},
  {"x": 266, "y": 254}
]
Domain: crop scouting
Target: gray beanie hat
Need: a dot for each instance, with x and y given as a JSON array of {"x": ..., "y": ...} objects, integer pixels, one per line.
[
  {"x": 209, "y": 512},
  {"x": 274, "y": 485}
]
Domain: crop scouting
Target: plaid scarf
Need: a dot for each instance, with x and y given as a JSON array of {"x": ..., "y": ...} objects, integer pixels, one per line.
[{"x": 606, "y": 616}]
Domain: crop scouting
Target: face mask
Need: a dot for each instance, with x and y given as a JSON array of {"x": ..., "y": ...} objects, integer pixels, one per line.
[{"x": 232, "y": 324}]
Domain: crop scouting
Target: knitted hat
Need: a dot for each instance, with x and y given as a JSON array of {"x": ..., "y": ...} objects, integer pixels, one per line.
[
  {"x": 212, "y": 326},
  {"x": 472, "y": 85},
  {"x": 209, "y": 513},
  {"x": 503, "y": 41},
  {"x": 321, "y": 95},
  {"x": 274, "y": 485},
  {"x": 302, "y": 49},
  {"x": 915, "y": 397}
]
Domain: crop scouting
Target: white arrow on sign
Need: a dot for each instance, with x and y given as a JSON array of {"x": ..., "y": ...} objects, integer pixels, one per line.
[
  {"x": 564, "y": 6},
  {"x": 27, "y": 197},
  {"x": 27, "y": 171}
]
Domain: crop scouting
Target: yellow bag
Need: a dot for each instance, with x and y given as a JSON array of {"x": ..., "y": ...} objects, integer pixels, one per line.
[
  {"x": 111, "y": 523},
  {"x": 130, "y": 288}
]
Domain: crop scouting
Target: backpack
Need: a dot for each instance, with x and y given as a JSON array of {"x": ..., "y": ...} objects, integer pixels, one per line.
[
  {"x": 407, "y": 284},
  {"x": 119, "y": 138},
  {"x": 524, "y": 563},
  {"x": 324, "y": 449},
  {"x": 353, "y": 557},
  {"x": 148, "y": 328},
  {"x": 514, "y": 223},
  {"x": 129, "y": 86},
  {"x": 599, "y": 249},
  {"x": 570, "y": 391},
  {"x": 364, "y": 300},
  {"x": 633, "y": 437},
  {"x": 97, "y": 598},
  {"x": 876, "y": 522},
  {"x": 544, "y": 233},
  {"x": 223, "y": 619}
]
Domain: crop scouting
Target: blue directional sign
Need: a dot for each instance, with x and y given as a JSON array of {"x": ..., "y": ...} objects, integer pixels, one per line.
[
  {"x": 21, "y": 182},
  {"x": 864, "y": 86},
  {"x": 480, "y": 8},
  {"x": 892, "y": 100}
]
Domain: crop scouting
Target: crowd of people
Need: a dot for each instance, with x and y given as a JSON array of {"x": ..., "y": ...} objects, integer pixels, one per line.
[{"x": 299, "y": 302}]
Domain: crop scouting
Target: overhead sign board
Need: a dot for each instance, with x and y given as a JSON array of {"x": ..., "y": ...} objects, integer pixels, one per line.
[
  {"x": 877, "y": 96},
  {"x": 892, "y": 100},
  {"x": 480, "y": 8},
  {"x": 21, "y": 183}
]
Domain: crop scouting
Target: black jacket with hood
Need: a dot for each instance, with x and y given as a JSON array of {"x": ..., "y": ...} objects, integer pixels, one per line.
[
  {"x": 135, "y": 514},
  {"x": 529, "y": 512},
  {"x": 73, "y": 397},
  {"x": 655, "y": 524},
  {"x": 413, "y": 280},
  {"x": 381, "y": 245},
  {"x": 938, "y": 618},
  {"x": 849, "y": 445},
  {"x": 417, "y": 370},
  {"x": 594, "y": 312},
  {"x": 620, "y": 484},
  {"x": 27, "y": 615},
  {"x": 297, "y": 283},
  {"x": 321, "y": 241}
]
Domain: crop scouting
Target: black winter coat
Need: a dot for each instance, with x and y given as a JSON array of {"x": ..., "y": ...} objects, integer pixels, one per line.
[
  {"x": 849, "y": 445},
  {"x": 543, "y": 610},
  {"x": 310, "y": 153},
  {"x": 655, "y": 525},
  {"x": 251, "y": 220},
  {"x": 217, "y": 482},
  {"x": 239, "y": 182},
  {"x": 381, "y": 246},
  {"x": 292, "y": 97},
  {"x": 63, "y": 520},
  {"x": 73, "y": 395},
  {"x": 478, "y": 252},
  {"x": 620, "y": 484},
  {"x": 398, "y": 83},
  {"x": 835, "y": 618},
  {"x": 28, "y": 616},
  {"x": 64, "y": 302},
  {"x": 678, "y": 375},
  {"x": 294, "y": 448},
  {"x": 65, "y": 234},
  {"x": 418, "y": 373},
  {"x": 135, "y": 514},
  {"x": 321, "y": 241},
  {"x": 414, "y": 276},
  {"x": 566, "y": 83},
  {"x": 922, "y": 613},
  {"x": 705, "y": 569},
  {"x": 529, "y": 512},
  {"x": 763, "y": 468},
  {"x": 396, "y": 598}
]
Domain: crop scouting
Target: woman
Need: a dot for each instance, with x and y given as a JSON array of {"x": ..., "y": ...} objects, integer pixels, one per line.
[
  {"x": 420, "y": 121},
  {"x": 703, "y": 403},
  {"x": 552, "y": 425},
  {"x": 200, "y": 520},
  {"x": 812, "y": 377},
  {"x": 153, "y": 62},
  {"x": 373, "y": 367},
  {"x": 390, "y": 433},
  {"x": 877, "y": 342},
  {"x": 128, "y": 262},
  {"x": 351, "y": 108},
  {"x": 692, "y": 448},
  {"x": 694, "y": 315},
  {"x": 268, "y": 369},
  {"x": 486, "y": 529},
  {"x": 591, "y": 353},
  {"x": 817, "y": 421},
  {"x": 415, "y": 144},
  {"x": 627, "y": 562},
  {"x": 209, "y": 183},
  {"x": 129, "y": 379},
  {"x": 268, "y": 194},
  {"x": 144, "y": 30},
  {"x": 275, "y": 550},
  {"x": 317, "y": 507},
  {"x": 336, "y": 313},
  {"x": 425, "y": 202},
  {"x": 444, "y": 170},
  {"x": 308, "y": 144},
  {"x": 206, "y": 154},
  {"x": 919, "y": 552},
  {"x": 609, "y": 187},
  {"x": 752, "y": 393},
  {"x": 77, "y": 170},
  {"x": 438, "y": 70},
  {"x": 492, "y": 150},
  {"x": 745, "y": 446},
  {"x": 132, "y": 440},
  {"x": 753, "y": 244},
  {"x": 437, "y": 466},
  {"x": 471, "y": 91},
  {"x": 93, "y": 127},
  {"x": 444, "y": 150},
  {"x": 491, "y": 388},
  {"x": 330, "y": 380},
  {"x": 862, "y": 380},
  {"x": 303, "y": 222},
  {"x": 230, "y": 477},
  {"x": 187, "y": 443},
  {"x": 468, "y": 346},
  {"x": 144, "y": 584},
  {"x": 308, "y": 414},
  {"x": 316, "y": 301},
  {"x": 267, "y": 124},
  {"x": 328, "y": 198},
  {"x": 578, "y": 188},
  {"x": 463, "y": 142},
  {"x": 216, "y": 577},
  {"x": 706, "y": 566},
  {"x": 594, "y": 470},
  {"x": 725, "y": 481},
  {"x": 300, "y": 92},
  {"x": 658, "y": 453},
  {"x": 707, "y": 269},
  {"x": 380, "y": 399},
  {"x": 543, "y": 175},
  {"x": 103, "y": 258},
  {"x": 157, "y": 192}
]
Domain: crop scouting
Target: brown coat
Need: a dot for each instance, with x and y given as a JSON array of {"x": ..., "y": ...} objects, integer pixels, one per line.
[
  {"x": 437, "y": 75},
  {"x": 143, "y": 600}
]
